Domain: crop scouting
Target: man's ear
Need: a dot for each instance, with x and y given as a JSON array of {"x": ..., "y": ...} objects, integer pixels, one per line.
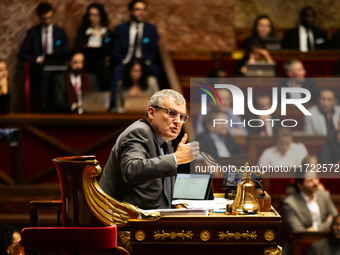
[{"x": 151, "y": 113}]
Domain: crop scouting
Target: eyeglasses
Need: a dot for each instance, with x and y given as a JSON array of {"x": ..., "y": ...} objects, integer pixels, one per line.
[{"x": 173, "y": 114}]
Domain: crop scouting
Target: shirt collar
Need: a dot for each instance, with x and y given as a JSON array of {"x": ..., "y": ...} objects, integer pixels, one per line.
[
  {"x": 159, "y": 139},
  {"x": 306, "y": 198}
]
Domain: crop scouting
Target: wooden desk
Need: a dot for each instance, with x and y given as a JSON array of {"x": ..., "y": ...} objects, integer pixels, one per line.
[{"x": 214, "y": 234}]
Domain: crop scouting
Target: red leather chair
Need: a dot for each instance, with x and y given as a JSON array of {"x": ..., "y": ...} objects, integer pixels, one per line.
[{"x": 68, "y": 239}]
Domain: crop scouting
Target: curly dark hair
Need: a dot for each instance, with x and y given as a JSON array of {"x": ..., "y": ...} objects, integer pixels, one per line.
[
  {"x": 143, "y": 81},
  {"x": 258, "y": 18},
  {"x": 6, "y": 238},
  {"x": 103, "y": 15}
]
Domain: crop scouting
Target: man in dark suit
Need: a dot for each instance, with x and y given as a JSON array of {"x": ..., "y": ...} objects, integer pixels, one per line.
[
  {"x": 306, "y": 37},
  {"x": 142, "y": 167},
  {"x": 217, "y": 141},
  {"x": 135, "y": 38},
  {"x": 44, "y": 39},
  {"x": 296, "y": 74},
  {"x": 310, "y": 208},
  {"x": 69, "y": 86}
]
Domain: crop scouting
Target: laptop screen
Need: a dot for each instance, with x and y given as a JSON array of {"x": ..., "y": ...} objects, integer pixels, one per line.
[{"x": 193, "y": 186}]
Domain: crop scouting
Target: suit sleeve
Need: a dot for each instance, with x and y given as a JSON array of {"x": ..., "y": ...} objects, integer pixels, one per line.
[
  {"x": 59, "y": 95},
  {"x": 293, "y": 222},
  {"x": 118, "y": 48},
  {"x": 64, "y": 42},
  {"x": 327, "y": 153},
  {"x": 308, "y": 125},
  {"x": 331, "y": 209},
  {"x": 26, "y": 48},
  {"x": 154, "y": 45},
  {"x": 136, "y": 163}
]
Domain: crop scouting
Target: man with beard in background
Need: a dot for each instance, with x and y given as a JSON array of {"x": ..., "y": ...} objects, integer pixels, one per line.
[{"x": 70, "y": 85}]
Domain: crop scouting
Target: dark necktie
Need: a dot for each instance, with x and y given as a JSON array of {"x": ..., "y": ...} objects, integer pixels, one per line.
[
  {"x": 164, "y": 146},
  {"x": 135, "y": 43}
]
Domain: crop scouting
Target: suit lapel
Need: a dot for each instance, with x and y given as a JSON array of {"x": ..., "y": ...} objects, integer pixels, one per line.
[
  {"x": 39, "y": 38},
  {"x": 304, "y": 213}
]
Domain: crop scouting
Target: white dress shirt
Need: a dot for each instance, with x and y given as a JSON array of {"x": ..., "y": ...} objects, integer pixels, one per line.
[
  {"x": 314, "y": 210},
  {"x": 49, "y": 39},
  {"x": 132, "y": 35},
  {"x": 94, "y": 41},
  {"x": 303, "y": 33}
]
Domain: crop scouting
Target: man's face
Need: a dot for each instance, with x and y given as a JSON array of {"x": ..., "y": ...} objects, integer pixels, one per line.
[
  {"x": 336, "y": 228},
  {"x": 327, "y": 101},
  {"x": 283, "y": 144},
  {"x": 46, "y": 19},
  {"x": 263, "y": 103},
  {"x": 77, "y": 63},
  {"x": 219, "y": 129},
  {"x": 308, "y": 18},
  {"x": 310, "y": 183},
  {"x": 297, "y": 71},
  {"x": 138, "y": 12},
  {"x": 225, "y": 98},
  {"x": 3, "y": 71},
  {"x": 166, "y": 127}
]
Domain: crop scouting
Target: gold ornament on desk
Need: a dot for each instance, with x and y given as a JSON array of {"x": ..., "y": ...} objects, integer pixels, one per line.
[{"x": 245, "y": 201}]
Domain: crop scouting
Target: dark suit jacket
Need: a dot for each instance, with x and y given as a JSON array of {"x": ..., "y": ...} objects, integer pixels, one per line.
[
  {"x": 207, "y": 142},
  {"x": 61, "y": 102},
  {"x": 308, "y": 84},
  {"x": 149, "y": 42},
  {"x": 330, "y": 150},
  {"x": 82, "y": 39},
  {"x": 324, "y": 246},
  {"x": 291, "y": 39},
  {"x": 135, "y": 171},
  {"x": 32, "y": 45},
  {"x": 5, "y": 103}
]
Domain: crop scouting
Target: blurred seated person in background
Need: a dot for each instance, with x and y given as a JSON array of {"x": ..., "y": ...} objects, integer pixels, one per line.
[
  {"x": 330, "y": 150},
  {"x": 226, "y": 107},
  {"x": 306, "y": 37},
  {"x": 218, "y": 73},
  {"x": 310, "y": 208},
  {"x": 135, "y": 38},
  {"x": 216, "y": 141},
  {"x": 262, "y": 102},
  {"x": 329, "y": 245},
  {"x": 9, "y": 237},
  {"x": 285, "y": 152},
  {"x": 136, "y": 81},
  {"x": 263, "y": 28},
  {"x": 4, "y": 90},
  {"x": 70, "y": 85},
  {"x": 296, "y": 78},
  {"x": 96, "y": 41},
  {"x": 44, "y": 39},
  {"x": 325, "y": 115},
  {"x": 255, "y": 53}
]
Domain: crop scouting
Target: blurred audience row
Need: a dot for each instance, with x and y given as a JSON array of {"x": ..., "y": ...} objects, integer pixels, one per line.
[{"x": 122, "y": 62}]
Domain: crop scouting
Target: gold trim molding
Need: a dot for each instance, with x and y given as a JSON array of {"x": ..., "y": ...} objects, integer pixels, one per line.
[
  {"x": 273, "y": 250},
  {"x": 269, "y": 235},
  {"x": 140, "y": 235},
  {"x": 205, "y": 235},
  {"x": 173, "y": 235},
  {"x": 237, "y": 235}
]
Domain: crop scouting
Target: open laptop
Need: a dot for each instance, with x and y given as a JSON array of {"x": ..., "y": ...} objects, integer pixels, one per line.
[
  {"x": 136, "y": 103},
  {"x": 96, "y": 101},
  {"x": 55, "y": 62},
  {"x": 193, "y": 186},
  {"x": 261, "y": 70},
  {"x": 272, "y": 43}
]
